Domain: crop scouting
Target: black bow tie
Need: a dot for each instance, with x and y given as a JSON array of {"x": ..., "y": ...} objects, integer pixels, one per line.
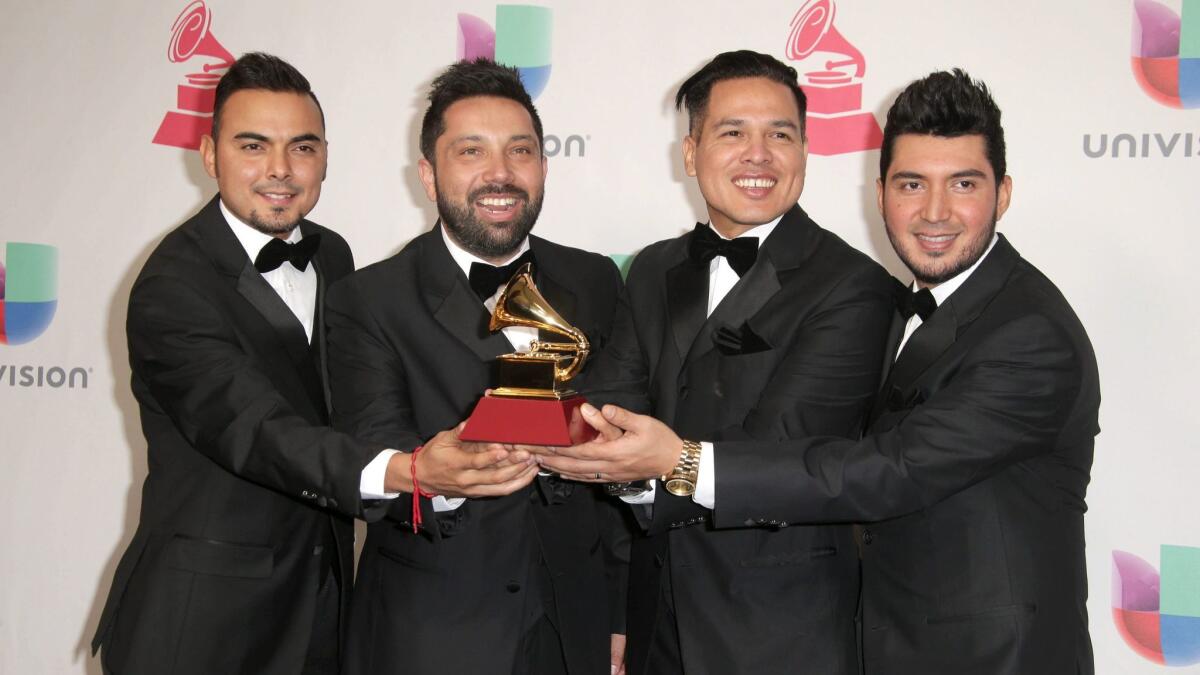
[
  {"x": 277, "y": 251},
  {"x": 920, "y": 302},
  {"x": 485, "y": 278},
  {"x": 705, "y": 245}
]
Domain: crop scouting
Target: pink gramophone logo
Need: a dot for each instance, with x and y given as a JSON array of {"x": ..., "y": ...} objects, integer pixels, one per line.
[
  {"x": 190, "y": 38},
  {"x": 836, "y": 121}
]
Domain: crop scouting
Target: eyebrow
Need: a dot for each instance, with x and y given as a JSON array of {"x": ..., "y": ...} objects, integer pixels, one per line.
[
  {"x": 476, "y": 138},
  {"x": 965, "y": 173},
  {"x": 254, "y": 136},
  {"x": 738, "y": 122}
]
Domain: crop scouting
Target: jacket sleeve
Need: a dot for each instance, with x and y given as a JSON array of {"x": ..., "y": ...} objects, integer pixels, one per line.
[{"x": 1008, "y": 402}]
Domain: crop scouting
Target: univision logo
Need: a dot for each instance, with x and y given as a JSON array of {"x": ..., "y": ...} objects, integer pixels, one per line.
[
  {"x": 521, "y": 39},
  {"x": 28, "y": 291},
  {"x": 1166, "y": 51},
  {"x": 1159, "y": 615}
]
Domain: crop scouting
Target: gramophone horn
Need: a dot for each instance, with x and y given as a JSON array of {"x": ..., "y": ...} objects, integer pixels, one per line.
[
  {"x": 190, "y": 36},
  {"x": 813, "y": 31}
]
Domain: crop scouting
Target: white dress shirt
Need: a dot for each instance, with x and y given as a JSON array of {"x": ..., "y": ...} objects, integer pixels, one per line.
[{"x": 721, "y": 280}]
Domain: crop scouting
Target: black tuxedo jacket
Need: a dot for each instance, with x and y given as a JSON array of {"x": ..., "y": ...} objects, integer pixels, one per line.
[
  {"x": 975, "y": 468},
  {"x": 410, "y": 356},
  {"x": 802, "y": 337},
  {"x": 249, "y": 496}
]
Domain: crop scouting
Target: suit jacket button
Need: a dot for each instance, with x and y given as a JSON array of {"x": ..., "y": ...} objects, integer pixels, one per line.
[
  {"x": 322, "y": 502},
  {"x": 867, "y": 537},
  {"x": 749, "y": 522},
  {"x": 512, "y": 587}
]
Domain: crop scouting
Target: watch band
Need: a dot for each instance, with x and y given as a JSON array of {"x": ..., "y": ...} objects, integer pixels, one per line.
[{"x": 681, "y": 482}]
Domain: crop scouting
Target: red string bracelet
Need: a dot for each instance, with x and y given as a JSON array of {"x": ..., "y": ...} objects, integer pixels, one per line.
[{"x": 417, "y": 492}]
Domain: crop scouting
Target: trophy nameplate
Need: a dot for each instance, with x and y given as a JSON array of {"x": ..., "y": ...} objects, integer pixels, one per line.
[{"x": 532, "y": 405}]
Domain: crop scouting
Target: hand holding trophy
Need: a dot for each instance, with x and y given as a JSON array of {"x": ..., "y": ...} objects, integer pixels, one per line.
[{"x": 532, "y": 405}]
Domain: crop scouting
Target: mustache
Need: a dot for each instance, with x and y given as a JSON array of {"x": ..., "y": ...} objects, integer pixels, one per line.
[{"x": 506, "y": 189}]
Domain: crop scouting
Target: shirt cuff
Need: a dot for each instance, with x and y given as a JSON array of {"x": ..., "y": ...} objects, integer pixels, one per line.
[
  {"x": 706, "y": 482},
  {"x": 370, "y": 483},
  {"x": 646, "y": 497},
  {"x": 442, "y": 504}
]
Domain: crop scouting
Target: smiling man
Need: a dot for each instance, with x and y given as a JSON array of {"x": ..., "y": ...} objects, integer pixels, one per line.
[
  {"x": 758, "y": 324},
  {"x": 515, "y": 583},
  {"x": 242, "y": 559},
  {"x": 975, "y": 465}
]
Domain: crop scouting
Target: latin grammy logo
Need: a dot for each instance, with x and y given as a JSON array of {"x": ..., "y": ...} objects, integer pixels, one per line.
[
  {"x": 836, "y": 122},
  {"x": 190, "y": 37}
]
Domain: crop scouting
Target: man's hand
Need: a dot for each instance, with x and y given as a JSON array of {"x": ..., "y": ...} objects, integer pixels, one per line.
[
  {"x": 616, "y": 654},
  {"x": 630, "y": 447},
  {"x": 449, "y": 467}
]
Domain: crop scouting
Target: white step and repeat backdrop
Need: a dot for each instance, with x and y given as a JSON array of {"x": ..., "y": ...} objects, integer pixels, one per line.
[{"x": 101, "y": 100}]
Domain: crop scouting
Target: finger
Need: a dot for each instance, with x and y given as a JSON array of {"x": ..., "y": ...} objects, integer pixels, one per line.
[
  {"x": 607, "y": 430},
  {"x": 508, "y": 486},
  {"x": 622, "y": 418},
  {"x": 578, "y": 467},
  {"x": 580, "y": 478},
  {"x": 536, "y": 449},
  {"x": 475, "y": 461},
  {"x": 499, "y": 474}
]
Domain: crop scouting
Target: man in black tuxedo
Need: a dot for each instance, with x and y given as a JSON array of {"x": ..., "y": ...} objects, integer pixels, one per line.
[
  {"x": 242, "y": 560},
  {"x": 756, "y": 325},
  {"x": 515, "y": 583},
  {"x": 975, "y": 465}
]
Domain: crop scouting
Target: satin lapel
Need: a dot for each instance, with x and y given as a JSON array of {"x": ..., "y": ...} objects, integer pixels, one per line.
[
  {"x": 926, "y": 344},
  {"x": 258, "y": 292},
  {"x": 889, "y": 360},
  {"x": 453, "y": 303},
  {"x": 218, "y": 242},
  {"x": 958, "y": 311},
  {"x": 319, "y": 336},
  {"x": 687, "y": 302},
  {"x": 743, "y": 301}
]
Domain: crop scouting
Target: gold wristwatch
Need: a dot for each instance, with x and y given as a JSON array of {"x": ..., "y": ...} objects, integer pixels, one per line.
[{"x": 681, "y": 482}]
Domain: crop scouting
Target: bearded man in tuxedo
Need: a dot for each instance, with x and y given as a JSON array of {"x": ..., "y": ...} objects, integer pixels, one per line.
[{"x": 531, "y": 578}]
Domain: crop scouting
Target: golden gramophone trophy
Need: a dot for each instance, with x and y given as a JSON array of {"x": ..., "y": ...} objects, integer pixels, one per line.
[{"x": 533, "y": 404}]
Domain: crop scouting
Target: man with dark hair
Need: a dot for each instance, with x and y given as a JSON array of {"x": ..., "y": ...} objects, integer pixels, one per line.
[
  {"x": 756, "y": 325},
  {"x": 515, "y": 583},
  {"x": 242, "y": 560},
  {"x": 975, "y": 465}
]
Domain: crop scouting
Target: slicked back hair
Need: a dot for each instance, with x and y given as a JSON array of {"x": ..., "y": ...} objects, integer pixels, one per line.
[
  {"x": 693, "y": 94},
  {"x": 949, "y": 105},
  {"x": 467, "y": 79},
  {"x": 259, "y": 70}
]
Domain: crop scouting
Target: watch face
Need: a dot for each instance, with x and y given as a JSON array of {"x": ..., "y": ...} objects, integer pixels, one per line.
[{"x": 680, "y": 487}]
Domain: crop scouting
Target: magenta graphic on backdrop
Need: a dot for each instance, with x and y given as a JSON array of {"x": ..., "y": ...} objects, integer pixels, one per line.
[
  {"x": 1158, "y": 616},
  {"x": 521, "y": 39},
  {"x": 836, "y": 121},
  {"x": 1166, "y": 51},
  {"x": 192, "y": 39}
]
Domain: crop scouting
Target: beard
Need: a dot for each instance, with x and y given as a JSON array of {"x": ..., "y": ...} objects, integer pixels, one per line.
[
  {"x": 489, "y": 240},
  {"x": 931, "y": 275},
  {"x": 272, "y": 227}
]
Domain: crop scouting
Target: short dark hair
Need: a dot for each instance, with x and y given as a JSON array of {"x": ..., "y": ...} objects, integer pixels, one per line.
[
  {"x": 694, "y": 92},
  {"x": 946, "y": 104},
  {"x": 467, "y": 79},
  {"x": 259, "y": 70}
]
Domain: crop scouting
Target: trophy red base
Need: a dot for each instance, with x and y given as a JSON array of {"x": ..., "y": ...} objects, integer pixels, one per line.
[{"x": 528, "y": 421}]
